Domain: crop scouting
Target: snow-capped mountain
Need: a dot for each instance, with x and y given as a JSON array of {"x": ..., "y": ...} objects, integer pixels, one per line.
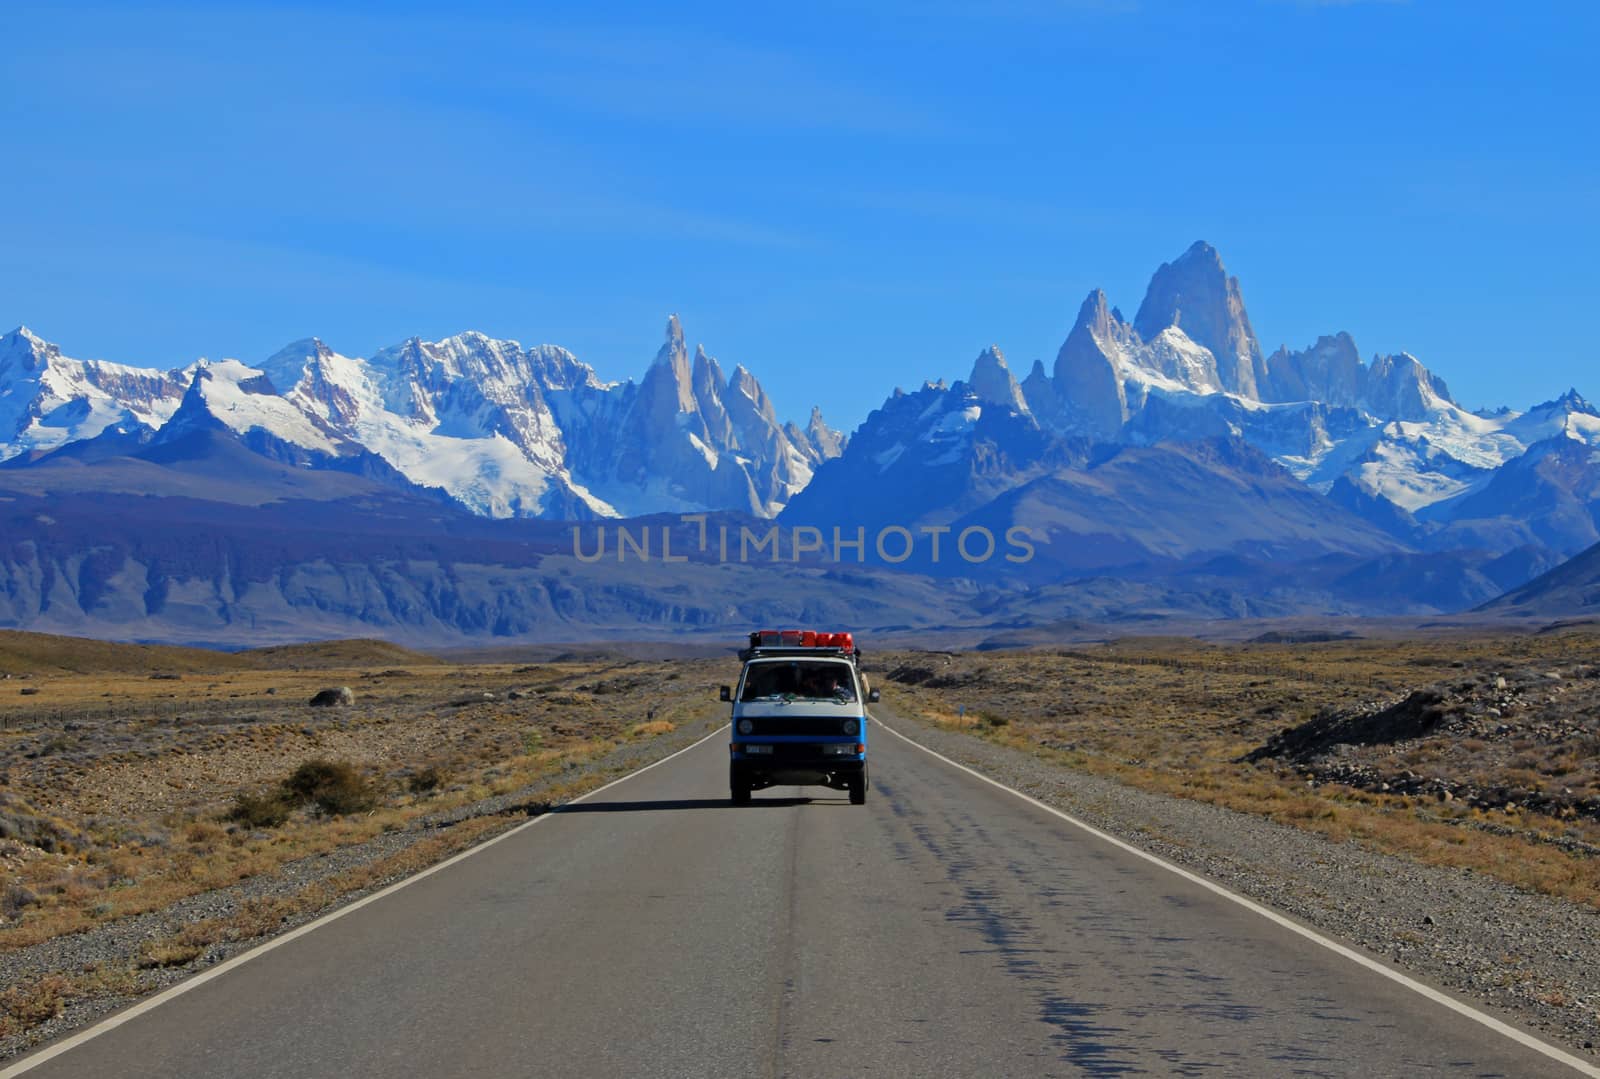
[
  {"x": 1314, "y": 454},
  {"x": 1189, "y": 366},
  {"x": 509, "y": 431},
  {"x": 48, "y": 400},
  {"x": 1162, "y": 467},
  {"x": 504, "y": 430},
  {"x": 970, "y": 455}
]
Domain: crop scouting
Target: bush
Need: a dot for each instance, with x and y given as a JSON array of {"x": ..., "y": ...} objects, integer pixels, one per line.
[
  {"x": 428, "y": 779},
  {"x": 18, "y": 898},
  {"x": 334, "y": 787},
  {"x": 20, "y": 821},
  {"x": 266, "y": 810},
  {"x": 167, "y": 953},
  {"x": 29, "y": 1004}
]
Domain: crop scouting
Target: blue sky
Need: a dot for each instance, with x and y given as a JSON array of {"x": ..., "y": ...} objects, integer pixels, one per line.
[{"x": 844, "y": 202}]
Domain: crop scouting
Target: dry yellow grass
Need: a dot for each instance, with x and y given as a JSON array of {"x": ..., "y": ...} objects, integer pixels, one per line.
[
  {"x": 41, "y": 999},
  {"x": 651, "y": 728},
  {"x": 137, "y": 775}
]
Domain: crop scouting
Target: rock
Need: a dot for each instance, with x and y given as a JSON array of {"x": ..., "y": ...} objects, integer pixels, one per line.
[
  {"x": 336, "y": 697},
  {"x": 1500, "y": 681},
  {"x": 29, "y": 691},
  {"x": 515, "y": 695}
]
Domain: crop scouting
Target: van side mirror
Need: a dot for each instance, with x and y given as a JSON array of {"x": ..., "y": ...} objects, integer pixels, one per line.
[
  {"x": 726, "y": 694},
  {"x": 874, "y": 696}
]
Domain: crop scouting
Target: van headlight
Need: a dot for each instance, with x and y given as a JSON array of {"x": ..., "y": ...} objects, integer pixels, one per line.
[
  {"x": 745, "y": 726},
  {"x": 851, "y": 726}
]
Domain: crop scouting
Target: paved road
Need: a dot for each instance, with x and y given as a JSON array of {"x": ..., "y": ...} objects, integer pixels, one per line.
[{"x": 945, "y": 928}]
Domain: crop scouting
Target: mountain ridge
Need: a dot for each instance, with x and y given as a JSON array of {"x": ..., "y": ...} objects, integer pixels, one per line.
[
  {"x": 507, "y": 431},
  {"x": 1168, "y": 445}
]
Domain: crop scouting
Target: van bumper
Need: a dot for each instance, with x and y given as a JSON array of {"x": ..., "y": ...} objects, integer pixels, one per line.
[{"x": 796, "y": 771}]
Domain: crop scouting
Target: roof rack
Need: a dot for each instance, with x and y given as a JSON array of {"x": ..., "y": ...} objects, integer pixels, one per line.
[{"x": 797, "y": 652}]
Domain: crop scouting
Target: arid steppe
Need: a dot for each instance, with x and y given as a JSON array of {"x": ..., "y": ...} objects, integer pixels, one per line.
[{"x": 162, "y": 809}]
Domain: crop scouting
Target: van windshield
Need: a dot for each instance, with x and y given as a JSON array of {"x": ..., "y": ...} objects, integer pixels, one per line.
[{"x": 798, "y": 680}]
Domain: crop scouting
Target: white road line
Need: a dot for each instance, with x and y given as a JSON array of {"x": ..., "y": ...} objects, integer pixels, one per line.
[
  {"x": 1561, "y": 1056},
  {"x": 114, "y": 1021}
]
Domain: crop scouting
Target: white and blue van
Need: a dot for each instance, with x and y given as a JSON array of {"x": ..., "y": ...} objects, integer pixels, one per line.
[{"x": 799, "y": 714}]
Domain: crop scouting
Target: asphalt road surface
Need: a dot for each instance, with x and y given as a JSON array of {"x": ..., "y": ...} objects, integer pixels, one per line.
[{"x": 944, "y": 928}]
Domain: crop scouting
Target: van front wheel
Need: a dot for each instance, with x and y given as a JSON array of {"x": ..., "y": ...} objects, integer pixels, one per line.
[{"x": 858, "y": 790}]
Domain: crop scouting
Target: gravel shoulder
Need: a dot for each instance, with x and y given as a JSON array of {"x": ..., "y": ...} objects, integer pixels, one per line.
[{"x": 1530, "y": 959}]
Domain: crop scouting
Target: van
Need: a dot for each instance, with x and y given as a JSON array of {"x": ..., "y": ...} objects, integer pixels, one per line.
[{"x": 799, "y": 714}]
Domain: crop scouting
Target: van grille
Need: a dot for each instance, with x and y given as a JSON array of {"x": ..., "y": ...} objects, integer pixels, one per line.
[{"x": 799, "y": 725}]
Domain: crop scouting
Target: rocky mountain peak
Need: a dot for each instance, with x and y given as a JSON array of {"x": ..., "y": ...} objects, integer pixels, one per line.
[
  {"x": 673, "y": 347},
  {"x": 992, "y": 381},
  {"x": 828, "y": 442},
  {"x": 1087, "y": 384},
  {"x": 1098, "y": 316},
  {"x": 745, "y": 395},
  {"x": 1571, "y": 401},
  {"x": 1201, "y": 253},
  {"x": 1398, "y": 387},
  {"x": 707, "y": 388},
  {"x": 23, "y": 335},
  {"x": 1195, "y": 294},
  {"x": 25, "y": 352},
  {"x": 286, "y": 367},
  {"x": 1330, "y": 372},
  {"x": 670, "y": 378}
]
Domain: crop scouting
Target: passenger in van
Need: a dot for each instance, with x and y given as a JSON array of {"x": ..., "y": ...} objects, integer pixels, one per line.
[{"x": 827, "y": 683}]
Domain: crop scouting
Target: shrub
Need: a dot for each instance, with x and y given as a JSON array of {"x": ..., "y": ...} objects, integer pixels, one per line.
[
  {"x": 428, "y": 779},
  {"x": 155, "y": 954},
  {"x": 334, "y": 787},
  {"x": 18, "y": 898},
  {"x": 20, "y": 821},
  {"x": 266, "y": 810},
  {"x": 26, "y": 1005}
]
